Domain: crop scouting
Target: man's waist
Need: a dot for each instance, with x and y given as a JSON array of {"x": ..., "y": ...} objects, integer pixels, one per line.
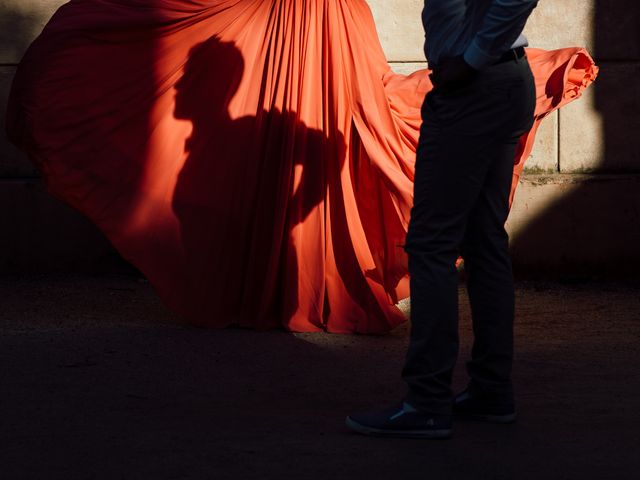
[
  {"x": 442, "y": 54},
  {"x": 512, "y": 54}
]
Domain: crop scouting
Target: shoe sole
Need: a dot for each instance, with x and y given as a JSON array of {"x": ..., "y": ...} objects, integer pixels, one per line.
[
  {"x": 503, "y": 419},
  {"x": 426, "y": 434}
]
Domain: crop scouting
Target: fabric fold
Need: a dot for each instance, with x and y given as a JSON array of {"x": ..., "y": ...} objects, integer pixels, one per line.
[{"x": 254, "y": 159}]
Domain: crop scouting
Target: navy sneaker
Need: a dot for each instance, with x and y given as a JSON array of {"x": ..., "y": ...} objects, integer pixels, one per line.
[
  {"x": 471, "y": 407},
  {"x": 401, "y": 421}
]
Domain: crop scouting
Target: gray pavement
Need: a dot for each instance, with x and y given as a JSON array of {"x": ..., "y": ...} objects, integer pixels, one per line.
[{"x": 99, "y": 381}]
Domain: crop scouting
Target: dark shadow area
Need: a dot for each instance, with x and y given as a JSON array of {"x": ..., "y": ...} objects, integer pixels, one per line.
[
  {"x": 43, "y": 234},
  {"x": 46, "y": 234},
  {"x": 246, "y": 184},
  {"x": 99, "y": 382},
  {"x": 594, "y": 229},
  {"x": 617, "y": 91}
]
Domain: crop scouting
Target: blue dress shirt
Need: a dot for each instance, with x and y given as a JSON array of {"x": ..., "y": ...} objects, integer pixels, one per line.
[{"x": 480, "y": 30}]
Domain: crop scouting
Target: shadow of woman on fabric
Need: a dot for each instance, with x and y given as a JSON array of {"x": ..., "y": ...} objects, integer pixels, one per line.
[{"x": 245, "y": 186}]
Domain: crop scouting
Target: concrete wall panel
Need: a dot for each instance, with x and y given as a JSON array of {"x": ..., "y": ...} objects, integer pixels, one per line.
[
  {"x": 406, "y": 68},
  {"x": 557, "y": 24},
  {"x": 598, "y": 132},
  {"x": 43, "y": 234},
  {"x": 576, "y": 225},
  {"x": 400, "y": 28},
  {"x": 13, "y": 163},
  {"x": 581, "y": 142},
  {"x": 21, "y": 21},
  {"x": 551, "y": 226},
  {"x": 616, "y": 30},
  {"x": 544, "y": 156}
]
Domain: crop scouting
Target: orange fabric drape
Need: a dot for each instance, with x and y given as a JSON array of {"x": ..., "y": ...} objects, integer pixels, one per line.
[{"x": 254, "y": 159}]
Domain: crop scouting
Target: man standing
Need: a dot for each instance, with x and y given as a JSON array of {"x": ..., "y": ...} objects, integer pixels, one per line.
[{"x": 482, "y": 102}]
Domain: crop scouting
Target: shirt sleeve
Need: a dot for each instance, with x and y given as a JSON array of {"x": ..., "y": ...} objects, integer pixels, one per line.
[{"x": 501, "y": 26}]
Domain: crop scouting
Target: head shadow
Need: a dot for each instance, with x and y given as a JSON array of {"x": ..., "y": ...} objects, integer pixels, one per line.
[{"x": 245, "y": 185}]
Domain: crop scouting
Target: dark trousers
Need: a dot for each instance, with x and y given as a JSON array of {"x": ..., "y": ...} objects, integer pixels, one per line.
[{"x": 462, "y": 183}]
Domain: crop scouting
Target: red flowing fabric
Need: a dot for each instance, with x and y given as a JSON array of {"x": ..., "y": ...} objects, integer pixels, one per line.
[{"x": 254, "y": 159}]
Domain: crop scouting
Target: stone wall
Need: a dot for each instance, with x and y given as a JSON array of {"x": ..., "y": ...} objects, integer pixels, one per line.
[{"x": 577, "y": 210}]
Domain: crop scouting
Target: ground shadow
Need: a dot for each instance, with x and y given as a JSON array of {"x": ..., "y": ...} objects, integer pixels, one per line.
[{"x": 121, "y": 395}]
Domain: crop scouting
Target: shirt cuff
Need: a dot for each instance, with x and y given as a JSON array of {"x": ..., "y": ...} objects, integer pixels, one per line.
[{"x": 478, "y": 58}]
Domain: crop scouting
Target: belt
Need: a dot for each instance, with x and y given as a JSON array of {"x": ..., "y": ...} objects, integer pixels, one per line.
[{"x": 512, "y": 54}]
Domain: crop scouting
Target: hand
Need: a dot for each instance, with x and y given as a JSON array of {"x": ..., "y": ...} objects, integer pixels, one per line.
[{"x": 452, "y": 73}]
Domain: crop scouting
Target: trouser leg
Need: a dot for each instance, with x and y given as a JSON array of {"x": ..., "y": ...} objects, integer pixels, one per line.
[
  {"x": 446, "y": 185},
  {"x": 485, "y": 250},
  {"x": 466, "y": 137}
]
